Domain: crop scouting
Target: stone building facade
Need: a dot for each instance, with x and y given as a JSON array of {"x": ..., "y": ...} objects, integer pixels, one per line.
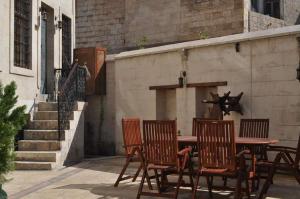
[
  {"x": 122, "y": 25},
  {"x": 31, "y": 44}
]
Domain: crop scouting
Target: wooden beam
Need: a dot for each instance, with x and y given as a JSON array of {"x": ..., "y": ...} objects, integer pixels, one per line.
[
  {"x": 207, "y": 84},
  {"x": 174, "y": 86},
  {"x": 190, "y": 85}
]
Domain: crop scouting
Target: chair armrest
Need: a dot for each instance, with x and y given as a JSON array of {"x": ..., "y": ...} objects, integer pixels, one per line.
[
  {"x": 184, "y": 157},
  {"x": 242, "y": 153},
  {"x": 241, "y": 159},
  {"x": 282, "y": 149},
  {"x": 132, "y": 145},
  {"x": 185, "y": 151}
]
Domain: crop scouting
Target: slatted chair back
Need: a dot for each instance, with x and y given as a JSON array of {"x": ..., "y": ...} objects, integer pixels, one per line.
[
  {"x": 131, "y": 134},
  {"x": 160, "y": 142},
  {"x": 216, "y": 144},
  {"x": 256, "y": 128},
  {"x": 199, "y": 119}
]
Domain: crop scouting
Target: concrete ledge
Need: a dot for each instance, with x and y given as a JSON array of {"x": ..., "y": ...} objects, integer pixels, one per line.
[
  {"x": 284, "y": 31},
  {"x": 110, "y": 57}
]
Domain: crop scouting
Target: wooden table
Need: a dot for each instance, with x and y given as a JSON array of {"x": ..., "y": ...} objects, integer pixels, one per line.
[
  {"x": 240, "y": 141},
  {"x": 188, "y": 139}
]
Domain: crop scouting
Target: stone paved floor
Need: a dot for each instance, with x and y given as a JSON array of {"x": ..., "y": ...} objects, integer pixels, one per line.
[{"x": 94, "y": 179}]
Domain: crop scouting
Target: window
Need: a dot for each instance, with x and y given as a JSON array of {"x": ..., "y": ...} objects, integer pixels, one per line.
[
  {"x": 66, "y": 42},
  {"x": 22, "y": 34},
  {"x": 254, "y": 6},
  {"x": 272, "y": 8}
]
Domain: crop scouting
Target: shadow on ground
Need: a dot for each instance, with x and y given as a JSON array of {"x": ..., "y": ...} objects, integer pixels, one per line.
[{"x": 126, "y": 191}]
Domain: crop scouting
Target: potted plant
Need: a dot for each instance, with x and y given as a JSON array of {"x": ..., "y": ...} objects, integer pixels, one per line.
[{"x": 12, "y": 119}]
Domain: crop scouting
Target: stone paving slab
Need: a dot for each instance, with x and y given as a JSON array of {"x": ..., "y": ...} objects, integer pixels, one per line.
[{"x": 94, "y": 179}]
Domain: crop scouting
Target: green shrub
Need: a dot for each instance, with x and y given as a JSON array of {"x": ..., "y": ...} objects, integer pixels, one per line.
[
  {"x": 12, "y": 119},
  {"x": 141, "y": 43}
]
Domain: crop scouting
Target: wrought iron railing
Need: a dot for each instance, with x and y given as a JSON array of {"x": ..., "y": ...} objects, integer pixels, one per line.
[{"x": 70, "y": 88}]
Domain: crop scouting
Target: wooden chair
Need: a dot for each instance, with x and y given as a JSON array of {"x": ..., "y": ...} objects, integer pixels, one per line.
[
  {"x": 194, "y": 148},
  {"x": 217, "y": 155},
  {"x": 161, "y": 154},
  {"x": 255, "y": 128},
  {"x": 287, "y": 159},
  {"x": 199, "y": 119},
  {"x": 133, "y": 148}
]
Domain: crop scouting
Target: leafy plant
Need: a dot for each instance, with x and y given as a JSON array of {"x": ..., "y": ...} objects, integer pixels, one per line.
[
  {"x": 141, "y": 43},
  {"x": 12, "y": 119},
  {"x": 203, "y": 35}
]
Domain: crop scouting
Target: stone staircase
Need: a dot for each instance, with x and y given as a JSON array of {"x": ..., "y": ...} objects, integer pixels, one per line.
[{"x": 41, "y": 148}]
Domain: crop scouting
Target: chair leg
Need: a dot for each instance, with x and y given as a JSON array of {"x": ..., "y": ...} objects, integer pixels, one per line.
[
  {"x": 258, "y": 181},
  {"x": 148, "y": 180},
  {"x": 267, "y": 183},
  {"x": 297, "y": 175},
  {"x": 145, "y": 169},
  {"x": 191, "y": 176},
  {"x": 237, "y": 193},
  {"x": 122, "y": 172},
  {"x": 164, "y": 180},
  {"x": 178, "y": 183},
  {"x": 196, "y": 186},
  {"x": 141, "y": 185},
  {"x": 225, "y": 181},
  {"x": 157, "y": 181},
  {"x": 247, "y": 186},
  {"x": 209, "y": 180},
  {"x": 137, "y": 172}
]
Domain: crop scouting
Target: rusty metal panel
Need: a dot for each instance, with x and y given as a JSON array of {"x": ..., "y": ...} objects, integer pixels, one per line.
[{"x": 95, "y": 61}]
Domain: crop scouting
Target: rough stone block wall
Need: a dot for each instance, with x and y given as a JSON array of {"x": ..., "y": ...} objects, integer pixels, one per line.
[
  {"x": 156, "y": 20},
  {"x": 125, "y": 24},
  {"x": 259, "y": 21},
  {"x": 212, "y": 18},
  {"x": 100, "y": 23},
  {"x": 291, "y": 11}
]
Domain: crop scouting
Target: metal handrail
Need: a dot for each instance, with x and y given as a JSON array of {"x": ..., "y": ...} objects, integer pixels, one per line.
[{"x": 71, "y": 88}]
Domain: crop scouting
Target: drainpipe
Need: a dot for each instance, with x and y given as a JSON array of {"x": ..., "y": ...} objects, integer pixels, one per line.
[
  {"x": 37, "y": 43},
  {"x": 59, "y": 40}
]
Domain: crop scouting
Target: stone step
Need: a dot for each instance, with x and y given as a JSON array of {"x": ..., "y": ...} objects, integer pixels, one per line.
[
  {"x": 43, "y": 124},
  {"x": 28, "y": 165},
  {"x": 36, "y": 156},
  {"x": 49, "y": 115},
  {"x": 46, "y": 124},
  {"x": 45, "y": 115},
  {"x": 47, "y": 106},
  {"x": 39, "y": 145},
  {"x": 43, "y": 135}
]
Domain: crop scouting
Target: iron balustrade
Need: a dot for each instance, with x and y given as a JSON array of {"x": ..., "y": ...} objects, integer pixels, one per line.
[{"x": 70, "y": 85}]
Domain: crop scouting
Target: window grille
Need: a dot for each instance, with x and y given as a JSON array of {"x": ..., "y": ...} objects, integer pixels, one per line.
[
  {"x": 22, "y": 34},
  {"x": 66, "y": 41},
  {"x": 272, "y": 8}
]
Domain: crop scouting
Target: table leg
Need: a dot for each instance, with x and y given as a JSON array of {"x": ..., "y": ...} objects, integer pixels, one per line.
[{"x": 253, "y": 157}]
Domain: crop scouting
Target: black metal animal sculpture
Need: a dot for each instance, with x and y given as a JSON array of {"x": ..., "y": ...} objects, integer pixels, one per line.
[{"x": 225, "y": 104}]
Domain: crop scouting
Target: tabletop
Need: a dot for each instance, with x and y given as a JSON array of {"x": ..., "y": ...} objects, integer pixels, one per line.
[{"x": 238, "y": 140}]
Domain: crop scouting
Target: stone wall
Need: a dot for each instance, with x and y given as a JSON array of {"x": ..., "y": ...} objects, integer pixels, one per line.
[
  {"x": 100, "y": 23},
  {"x": 100, "y": 117},
  {"x": 127, "y": 24},
  {"x": 156, "y": 20},
  {"x": 291, "y": 11},
  {"x": 259, "y": 21},
  {"x": 212, "y": 18},
  {"x": 264, "y": 69}
]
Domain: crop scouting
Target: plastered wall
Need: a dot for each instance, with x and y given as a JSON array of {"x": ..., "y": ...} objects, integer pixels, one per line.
[{"x": 264, "y": 69}]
